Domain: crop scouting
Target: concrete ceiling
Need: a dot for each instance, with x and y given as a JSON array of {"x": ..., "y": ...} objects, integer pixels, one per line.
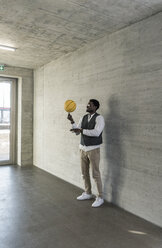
[{"x": 44, "y": 30}]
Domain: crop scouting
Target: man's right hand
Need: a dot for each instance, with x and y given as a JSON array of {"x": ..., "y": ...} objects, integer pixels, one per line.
[{"x": 70, "y": 118}]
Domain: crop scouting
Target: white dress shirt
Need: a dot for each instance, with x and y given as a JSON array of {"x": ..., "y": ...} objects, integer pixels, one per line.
[{"x": 99, "y": 126}]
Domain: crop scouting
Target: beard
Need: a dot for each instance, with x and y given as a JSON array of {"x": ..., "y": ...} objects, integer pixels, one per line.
[{"x": 89, "y": 110}]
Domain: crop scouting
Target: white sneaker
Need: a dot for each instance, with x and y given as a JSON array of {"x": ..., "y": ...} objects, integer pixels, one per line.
[
  {"x": 98, "y": 202},
  {"x": 84, "y": 196}
]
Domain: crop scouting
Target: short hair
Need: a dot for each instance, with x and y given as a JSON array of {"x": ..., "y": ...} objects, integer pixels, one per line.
[{"x": 95, "y": 102}]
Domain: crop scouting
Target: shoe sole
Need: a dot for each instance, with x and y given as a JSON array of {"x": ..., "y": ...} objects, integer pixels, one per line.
[
  {"x": 98, "y": 206},
  {"x": 84, "y": 199}
]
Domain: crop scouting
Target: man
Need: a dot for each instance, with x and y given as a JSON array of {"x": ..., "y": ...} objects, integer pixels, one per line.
[{"x": 90, "y": 127}]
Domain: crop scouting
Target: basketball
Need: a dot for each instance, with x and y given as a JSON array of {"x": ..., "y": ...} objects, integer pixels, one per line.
[{"x": 69, "y": 106}]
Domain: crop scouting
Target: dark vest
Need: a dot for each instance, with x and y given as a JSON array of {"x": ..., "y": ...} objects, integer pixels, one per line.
[{"x": 90, "y": 140}]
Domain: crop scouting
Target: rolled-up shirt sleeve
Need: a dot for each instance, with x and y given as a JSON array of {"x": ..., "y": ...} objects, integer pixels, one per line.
[
  {"x": 100, "y": 123},
  {"x": 74, "y": 125}
]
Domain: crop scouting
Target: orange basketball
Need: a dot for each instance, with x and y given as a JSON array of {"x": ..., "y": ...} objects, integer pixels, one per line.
[{"x": 69, "y": 106}]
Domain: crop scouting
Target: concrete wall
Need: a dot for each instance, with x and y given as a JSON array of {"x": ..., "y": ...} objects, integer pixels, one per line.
[
  {"x": 25, "y": 113},
  {"x": 123, "y": 71}
]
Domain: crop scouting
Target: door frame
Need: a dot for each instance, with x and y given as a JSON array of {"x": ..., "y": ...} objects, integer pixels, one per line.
[{"x": 13, "y": 120}]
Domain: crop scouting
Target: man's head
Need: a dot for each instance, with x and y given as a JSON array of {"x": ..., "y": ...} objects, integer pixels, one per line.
[{"x": 92, "y": 106}]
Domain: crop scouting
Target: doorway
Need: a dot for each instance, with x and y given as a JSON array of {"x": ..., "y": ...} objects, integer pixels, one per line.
[{"x": 7, "y": 121}]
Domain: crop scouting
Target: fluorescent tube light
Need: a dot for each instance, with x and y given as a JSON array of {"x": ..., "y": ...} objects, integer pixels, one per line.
[
  {"x": 7, "y": 48},
  {"x": 137, "y": 232}
]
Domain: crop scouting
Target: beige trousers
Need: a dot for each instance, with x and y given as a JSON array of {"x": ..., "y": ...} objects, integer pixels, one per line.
[{"x": 91, "y": 159}]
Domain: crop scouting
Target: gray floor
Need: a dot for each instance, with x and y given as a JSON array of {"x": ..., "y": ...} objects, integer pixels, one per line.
[{"x": 40, "y": 210}]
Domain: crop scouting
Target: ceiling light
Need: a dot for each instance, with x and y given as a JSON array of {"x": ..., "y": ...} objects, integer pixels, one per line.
[
  {"x": 137, "y": 232},
  {"x": 7, "y": 48}
]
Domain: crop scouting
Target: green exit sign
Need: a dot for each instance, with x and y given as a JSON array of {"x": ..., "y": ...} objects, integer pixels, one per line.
[{"x": 1, "y": 67}]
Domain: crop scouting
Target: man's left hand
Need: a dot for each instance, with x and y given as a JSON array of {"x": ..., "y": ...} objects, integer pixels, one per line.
[{"x": 76, "y": 130}]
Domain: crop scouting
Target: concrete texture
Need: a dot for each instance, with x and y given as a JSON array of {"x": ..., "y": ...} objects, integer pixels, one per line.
[
  {"x": 39, "y": 210},
  {"x": 25, "y": 113},
  {"x": 46, "y": 30},
  {"x": 123, "y": 71}
]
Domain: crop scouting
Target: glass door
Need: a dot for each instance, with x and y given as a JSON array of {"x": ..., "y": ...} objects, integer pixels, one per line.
[{"x": 7, "y": 120}]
